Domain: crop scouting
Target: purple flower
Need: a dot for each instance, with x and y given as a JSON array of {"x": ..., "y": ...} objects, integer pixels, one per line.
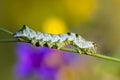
[{"x": 40, "y": 62}]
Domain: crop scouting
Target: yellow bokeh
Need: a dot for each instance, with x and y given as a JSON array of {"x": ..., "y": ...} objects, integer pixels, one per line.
[
  {"x": 54, "y": 25},
  {"x": 81, "y": 9},
  {"x": 33, "y": 13}
]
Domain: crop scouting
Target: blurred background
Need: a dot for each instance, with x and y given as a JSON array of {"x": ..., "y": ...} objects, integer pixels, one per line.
[{"x": 95, "y": 20}]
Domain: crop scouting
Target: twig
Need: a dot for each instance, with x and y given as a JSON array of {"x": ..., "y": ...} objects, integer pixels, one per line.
[
  {"x": 64, "y": 49},
  {"x": 6, "y": 31},
  {"x": 8, "y": 40},
  {"x": 94, "y": 55}
]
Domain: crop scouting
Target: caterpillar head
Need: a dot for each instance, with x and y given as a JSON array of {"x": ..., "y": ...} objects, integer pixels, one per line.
[
  {"x": 22, "y": 34},
  {"x": 88, "y": 48}
]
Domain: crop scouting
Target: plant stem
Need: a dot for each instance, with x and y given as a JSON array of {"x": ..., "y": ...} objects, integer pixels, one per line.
[
  {"x": 94, "y": 55},
  {"x": 72, "y": 50},
  {"x": 8, "y": 40},
  {"x": 105, "y": 57},
  {"x": 69, "y": 50},
  {"x": 64, "y": 49},
  {"x": 6, "y": 31}
]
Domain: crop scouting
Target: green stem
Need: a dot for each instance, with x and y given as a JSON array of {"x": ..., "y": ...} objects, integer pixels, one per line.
[
  {"x": 105, "y": 57},
  {"x": 69, "y": 50},
  {"x": 94, "y": 55},
  {"x": 72, "y": 50},
  {"x": 6, "y": 31},
  {"x": 64, "y": 49},
  {"x": 8, "y": 40}
]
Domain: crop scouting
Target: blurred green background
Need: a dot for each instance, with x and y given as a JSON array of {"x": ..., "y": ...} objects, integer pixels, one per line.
[{"x": 95, "y": 20}]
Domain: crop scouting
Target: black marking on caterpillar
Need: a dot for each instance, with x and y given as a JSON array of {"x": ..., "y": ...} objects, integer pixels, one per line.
[{"x": 58, "y": 41}]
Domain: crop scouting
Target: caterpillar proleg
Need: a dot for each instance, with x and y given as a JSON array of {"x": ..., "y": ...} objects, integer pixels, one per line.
[{"x": 57, "y": 41}]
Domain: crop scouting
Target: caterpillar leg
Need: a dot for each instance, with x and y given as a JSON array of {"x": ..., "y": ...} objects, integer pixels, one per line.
[
  {"x": 60, "y": 45},
  {"x": 50, "y": 44},
  {"x": 79, "y": 50},
  {"x": 37, "y": 42},
  {"x": 87, "y": 51}
]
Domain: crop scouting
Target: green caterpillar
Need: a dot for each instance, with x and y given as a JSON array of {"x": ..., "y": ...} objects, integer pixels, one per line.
[{"x": 57, "y": 41}]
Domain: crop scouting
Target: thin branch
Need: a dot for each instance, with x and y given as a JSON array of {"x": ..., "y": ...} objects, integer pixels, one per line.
[
  {"x": 72, "y": 50},
  {"x": 69, "y": 50},
  {"x": 105, "y": 57},
  {"x": 6, "y": 31},
  {"x": 94, "y": 55},
  {"x": 64, "y": 49},
  {"x": 8, "y": 40}
]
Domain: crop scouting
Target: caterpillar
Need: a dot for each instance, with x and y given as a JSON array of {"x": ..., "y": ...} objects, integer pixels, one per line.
[{"x": 57, "y": 41}]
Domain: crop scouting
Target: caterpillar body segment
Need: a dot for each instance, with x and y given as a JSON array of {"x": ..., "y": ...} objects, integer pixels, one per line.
[{"x": 58, "y": 41}]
